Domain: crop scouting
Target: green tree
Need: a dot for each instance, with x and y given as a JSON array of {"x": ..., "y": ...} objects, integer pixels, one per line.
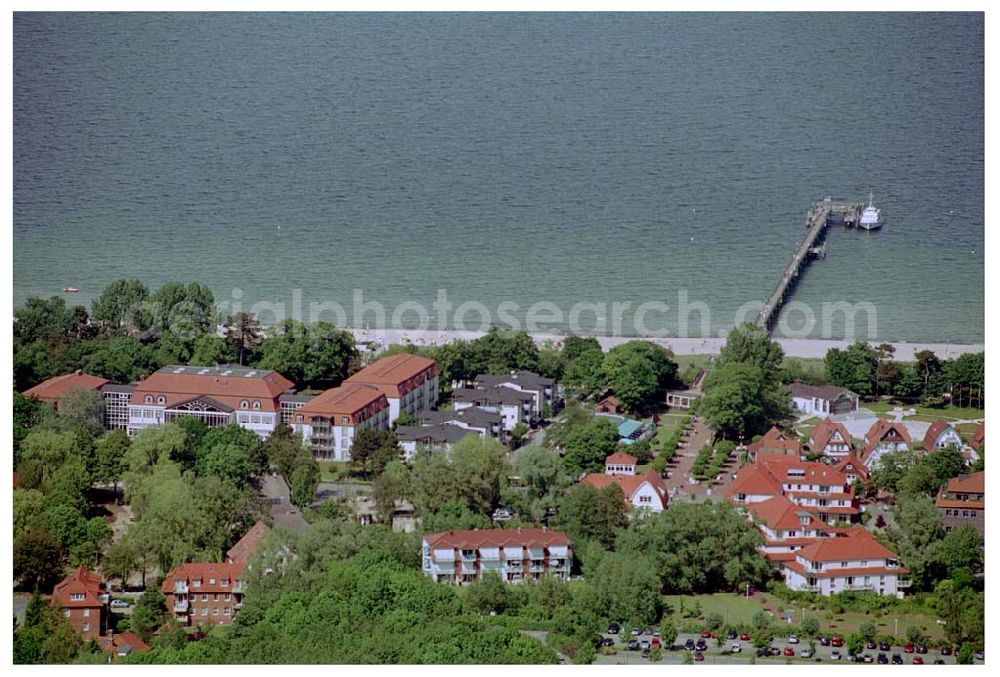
[
  {"x": 586, "y": 513},
  {"x": 148, "y": 614},
  {"x": 539, "y": 468},
  {"x": 184, "y": 310},
  {"x": 962, "y": 550},
  {"x": 112, "y": 451},
  {"x": 311, "y": 355},
  {"x": 226, "y": 461},
  {"x": 587, "y": 446},
  {"x": 37, "y": 559},
  {"x": 488, "y": 594},
  {"x": 121, "y": 359},
  {"x": 575, "y": 346},
  {"x": 740, "y": 401},
  {"x": 585, "y": 373},
  {"x": 632, "y": 378},
  {"x": 120, "y": 562},
  {"x": 852, "y": 368},
  {"x": 810, "y": 626},
  {"x": 749, "y": 344},
  {"x": 243, "y": 336},
  {"x": 122, "y": 307},
  {"x": 85, "y": 408},
  {"x": 209, "y": 351}
]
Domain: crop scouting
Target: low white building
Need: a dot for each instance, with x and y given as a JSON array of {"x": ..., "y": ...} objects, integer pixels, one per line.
[
  {"x": 941, "y": 435},
  {"x": 822, "y": 400},
  {"x": 440, "y": 437},
  {"x": 851, "y": 560}
]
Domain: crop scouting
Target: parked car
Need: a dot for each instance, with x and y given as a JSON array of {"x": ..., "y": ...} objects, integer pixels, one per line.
[
  {"x": 837, "y": 641},
  {"x": 897, "y": 659},
  {"x": 647, "y": 631},
  {"x": 633, "y": 645},
  {"x": 699, "y": 656},
  {"x": 689, "y": 645},
  {"x": 824, "y": 640},
  {"x": 119, "y": 604},
  {"x": 882, "y": 659},
  {"x": 939, "y": 661},
  {"x": 946, "y": 651},
  {"x": 980, "y": 655},
  {"x": 868, "y": 658},
  {"x": 909, "y": 648},
  {"x": 918, "y": 660},
  {"x": 884, "y": 646},
  {"x": 744, "y": 637},
  {"x": 701, "y": 645},
  {"x": 644, "y": 644},
  {"x": 806, "y": 653},
  {"x": 789, "y": 651},
  {"x": 645, "y": 652},
  {"x": 762, "y": 652},
  {"x": 735, "y": 648},
  {"x": 731, "y": 634},
  {"x": 774, "y": 651},
  {"x": 792, "y": 639},
  {"x": 870, "y": 644},
  {"x": 921, "y": 648},
  {"x": 656, "y": 633},
  {"x": 608, "y": 641},
  {"x": 635, "y": 632},
  {"x": 655, "y": 643},
  {"x": 705, "y": 634},
  {"x": 614, "y": 629},
  {"x": 834, "y": 655}
]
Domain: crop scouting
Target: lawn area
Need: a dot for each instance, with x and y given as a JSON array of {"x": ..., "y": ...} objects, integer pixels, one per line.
[
  {"x": 331, "y": 471},
  {"x": 931, "y": 413},
  {"x": 738, "y": 609},
  {"x": 688, "y": 365},
  {"x": 814, "y": 367}
]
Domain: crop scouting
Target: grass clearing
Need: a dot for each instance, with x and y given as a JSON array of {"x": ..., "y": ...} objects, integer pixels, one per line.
[{"x": 949, "y": 412}]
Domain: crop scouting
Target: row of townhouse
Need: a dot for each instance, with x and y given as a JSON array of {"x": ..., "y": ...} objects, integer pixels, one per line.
[
  {"x": 519, "y": 397},
  {"x": 645, "y": 492},
  {"x": 83, "y": 599},
  {"x": 515, "y": 555},
  {"x": 440, "y": 430}
]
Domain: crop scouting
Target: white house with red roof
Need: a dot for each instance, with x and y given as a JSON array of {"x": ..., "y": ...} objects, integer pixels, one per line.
[
  {"x": 854, "y": 470},
  {"x": 204, "y": 593},
  {"x": 642, "y": 492},
  {"x": 329, "y": 421},
  {"x": 516, "y": 555},
  {"x": 620, "y": 463},
  {"x": 941, "y": 435},
  {"x": 884, "y": 436},
  {"x": 816, "y": 487},
  {"x": 830, "y": 438},
  {"x": 852, "y": 560},
  {"x": 410, "y": 383},
  {"x": 786, "y": 527},
  {"x": 218, "y": 396}
]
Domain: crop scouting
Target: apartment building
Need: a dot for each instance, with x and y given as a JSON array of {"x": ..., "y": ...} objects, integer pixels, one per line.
[
  {"x": 485, "y": 423},
  {"x": 851, "y": 560},
  {"x": 516, "y": 555},
  {"x": 440, "y": 437},
  {"x": 815, "y": 487},
  {"x": 963, "y": 502},
  {"x": 514, "y": 406},
  {"x": 204, "y": 593},
  {"x": 245, "y": 548},
  {"x": 542, "y": 389},
  {"x": 83, "y": 599},
  {"x": 786, "y": 527},
  {"x": 329, "y": 421},
  {"x": 409, "y": 382},
  {"x": 218, "y": 396}
]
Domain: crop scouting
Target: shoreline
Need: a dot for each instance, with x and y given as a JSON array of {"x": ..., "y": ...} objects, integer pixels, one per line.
[{"x": 802, "y": 347}]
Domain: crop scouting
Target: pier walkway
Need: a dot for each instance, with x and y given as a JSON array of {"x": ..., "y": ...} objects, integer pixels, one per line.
[{"x": 820, "y": 217}]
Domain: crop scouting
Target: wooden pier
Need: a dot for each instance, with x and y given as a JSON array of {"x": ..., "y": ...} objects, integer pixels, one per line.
[{"x": 823, "y": 214}]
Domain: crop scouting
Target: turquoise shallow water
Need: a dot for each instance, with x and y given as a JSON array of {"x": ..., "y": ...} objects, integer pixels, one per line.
[{"x": 518, "y": 158}]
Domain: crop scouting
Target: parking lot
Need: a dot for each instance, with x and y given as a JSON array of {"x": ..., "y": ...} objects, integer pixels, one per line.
[{"x": 717, "y": 653}]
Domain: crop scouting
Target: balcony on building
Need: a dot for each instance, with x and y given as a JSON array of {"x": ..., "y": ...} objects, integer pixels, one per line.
[
  {"x": 180, "y": 606},
  {"x": 180, "y": 587}
]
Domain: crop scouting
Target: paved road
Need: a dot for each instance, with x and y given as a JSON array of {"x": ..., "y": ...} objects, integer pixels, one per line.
[{"x": 717, "y": 654}]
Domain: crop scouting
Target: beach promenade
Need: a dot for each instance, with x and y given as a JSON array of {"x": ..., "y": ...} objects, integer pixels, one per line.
[{"x": 805, "y": 348}]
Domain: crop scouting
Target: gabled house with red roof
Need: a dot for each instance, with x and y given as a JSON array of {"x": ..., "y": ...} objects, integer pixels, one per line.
[
  {"x": 642, "y": 492},
  {"x": 978, "y": 438},
  {"x": 83, "y": 598},
  {"x": 963, "y": 502},
  {"x": 204, "y": 593},
  {"x": 853, "y": 560},
  {"x": 786, "y": 527},
  {"x": 940, "y": 435},
  {"x": 884, "y": 436},
  {"x": 409, "y": 382},
  {"x": 775, "y": 441},
  {"x": 515, "y": 555},
  {"x": 855, "y": 471},
  {"x": 830, "y": 438},
  {"x": 249, "y": 544},
  {"x": 123, "y": 644},
  {"x": 815, "y": 487}
]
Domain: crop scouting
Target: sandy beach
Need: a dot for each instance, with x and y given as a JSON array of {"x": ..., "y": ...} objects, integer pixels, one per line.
[{"x": 807, "y": 348}]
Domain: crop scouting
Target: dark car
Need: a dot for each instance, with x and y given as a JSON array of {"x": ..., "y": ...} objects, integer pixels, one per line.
[
  {"x": 774, "y": 651},
  {"x": 870, "y": 644},
  {"x": 897, "y": 659},
  {"x": 731, "y": 634},
  {"x": 689, "y": 645},
  {"x": 645, "y": 652},
  {"x": 614, "y": 629},
  {"x": 762, "y": 652},
  {"x": 946, "y": 651},
  {"x": 921, "y": 648},
  {"x": 633, "y": 645},
  {"x": 699, "y": 656},
  {"x": 884, "y": 646},
  {"x": 939, "y": 661},
  {"x": 701, "y": 645},
  {"x": 608, "y": 641},
  {"x": 825, "y": 641},
  {"x": 677, "y": 647},
  {"x": 882, "y": 659}
]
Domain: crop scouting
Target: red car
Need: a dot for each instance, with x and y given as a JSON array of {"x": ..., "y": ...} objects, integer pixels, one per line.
[
  {"x": 917, "y": 660},
  {"x": 744, "y": 637},
  {"x": 789, "y": 651},
  {"x": 705, "y": 634},
  {"x": 908, "y": 648},
  {"x": 655, "y": 643},
  {"x": 837, "y": 641},
  {"x": 699, "y": 656}
]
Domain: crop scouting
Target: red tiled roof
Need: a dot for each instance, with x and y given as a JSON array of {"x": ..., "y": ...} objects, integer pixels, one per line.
[
  {"x": 392, "y": 373},
  {"x": 852, "y": 463},
  {"x": 229, "y": 390},
  {"x": 933, "y": 432},
  {"x": 973, "y": 483},
  {"x": 857, "y": 544},
  {"x": 878, "y": 432},
  {"x": 814, "y": 472},
  {"x": 847, "y": 571},
  {"x": 347, "y": 400},
  {"x": 232, "y": 571},
  {"x": 57, "y": 387},
  {"x": 779, "y": 513},
  {"x": 629, "y": 483},
  {"x": 124, "y": 639},
  {"x": 247, "y": 546},
  {"x": 494, "y": 538},
  {"x": 81, "y": 581},
  {"x": 966, "y": 505},
  {"x": 754, "y": 480},
  {"x": 620, "y": 458},
  {"x": 976, "y": 442},
  {"x": 821, "y": 433},
  {"x": 775, "y": 441}
]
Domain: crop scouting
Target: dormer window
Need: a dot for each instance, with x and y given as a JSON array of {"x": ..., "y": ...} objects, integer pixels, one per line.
[
  {"x": 244, "y": 404},
  {"x": 77, "y": 596},
  {"x": 197, "y": 583},
  {"x": 149, "y": 399},
  {"x": 161, "y": 400},
  {"x": 256, "y": 404},
  {"x": 211, "y": 581}
]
